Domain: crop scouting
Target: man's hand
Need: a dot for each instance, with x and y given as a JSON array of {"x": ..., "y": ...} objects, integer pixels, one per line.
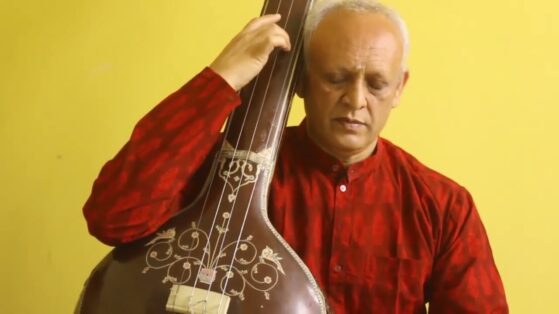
[{"x": 245, "y": 56}]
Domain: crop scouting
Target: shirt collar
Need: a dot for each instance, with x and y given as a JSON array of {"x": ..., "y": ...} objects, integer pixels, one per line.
[{"x": 315, "y": 157}]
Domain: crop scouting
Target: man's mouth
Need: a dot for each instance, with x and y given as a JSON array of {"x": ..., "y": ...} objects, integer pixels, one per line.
[{"x": 349, "y": 123}]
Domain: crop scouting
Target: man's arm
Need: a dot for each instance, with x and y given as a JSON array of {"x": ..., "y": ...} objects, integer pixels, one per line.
[
  {"x": 150, "y": 177},
  {"x": 153, "y": 175},
  {"x": 465, "y": 278}
]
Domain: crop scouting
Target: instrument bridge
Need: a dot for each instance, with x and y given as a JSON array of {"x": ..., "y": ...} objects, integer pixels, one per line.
[{"x": 186, "y": 299}]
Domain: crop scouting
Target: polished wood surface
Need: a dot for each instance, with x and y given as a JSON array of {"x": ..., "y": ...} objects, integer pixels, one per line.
[{"x": 223, "y": 242}]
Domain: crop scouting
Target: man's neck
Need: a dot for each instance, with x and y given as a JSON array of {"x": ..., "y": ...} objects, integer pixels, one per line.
[
  {"x": 352, "y": 158},
  {"x": 348, "y": 158}
]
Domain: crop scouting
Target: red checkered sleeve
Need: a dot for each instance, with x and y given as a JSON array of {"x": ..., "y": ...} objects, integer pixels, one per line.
[
  {"x": 465, "y": 278},
  {"x": 158, "y": 169}
]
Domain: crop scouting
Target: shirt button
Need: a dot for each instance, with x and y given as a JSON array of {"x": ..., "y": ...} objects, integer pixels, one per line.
[
  {"x": 338, "y": 268},
  {"x": 343, "y": 188}
]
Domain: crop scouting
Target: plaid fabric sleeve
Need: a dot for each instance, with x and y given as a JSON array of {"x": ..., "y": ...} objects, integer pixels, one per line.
[
  {"x": 465, "y": 278},
  {"x": 150, "y": 177}
]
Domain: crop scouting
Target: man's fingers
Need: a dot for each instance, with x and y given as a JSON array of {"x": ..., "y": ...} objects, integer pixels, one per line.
[
  {"x": 262, "y": 21},
  {"x": 285, "y": 42},
  {"x": 243, "y": 58},
  {"x": 266, "y": 27},
  {"x": 282, "y": 41},
  {"x": 275, "y": 35}
]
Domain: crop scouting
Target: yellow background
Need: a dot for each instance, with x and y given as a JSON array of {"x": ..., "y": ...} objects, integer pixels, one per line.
[{"x": 481, "y": 107}]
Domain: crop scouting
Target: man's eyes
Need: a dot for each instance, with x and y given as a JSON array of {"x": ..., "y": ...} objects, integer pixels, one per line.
[
  {"x": 377, "y": 85},
  {"x": 335, "y": 79},
  {"x": 373, "y": 84}
]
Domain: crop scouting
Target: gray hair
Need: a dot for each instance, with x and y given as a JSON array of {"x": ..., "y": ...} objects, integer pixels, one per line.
[{"x": 321, "y": 9}]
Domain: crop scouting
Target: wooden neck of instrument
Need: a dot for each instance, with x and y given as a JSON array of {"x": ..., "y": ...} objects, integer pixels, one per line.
[{"x": 259, "y": 122}]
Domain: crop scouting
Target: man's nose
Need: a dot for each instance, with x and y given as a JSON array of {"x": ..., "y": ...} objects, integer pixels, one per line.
[{"x": 356, "y": 95}]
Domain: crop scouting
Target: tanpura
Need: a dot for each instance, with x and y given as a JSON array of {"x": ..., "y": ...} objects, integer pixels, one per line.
[{"x": 221, "y": 254}]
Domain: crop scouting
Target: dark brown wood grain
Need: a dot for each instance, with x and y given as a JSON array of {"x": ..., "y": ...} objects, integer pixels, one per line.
[{"x": 137, "y": 278}]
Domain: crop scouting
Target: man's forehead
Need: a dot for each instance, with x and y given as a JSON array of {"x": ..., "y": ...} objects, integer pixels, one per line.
[
  {"x": 343, "y": 26},
  {"x": 346, "y": 16},
  {"x": 357, "y": 39}
]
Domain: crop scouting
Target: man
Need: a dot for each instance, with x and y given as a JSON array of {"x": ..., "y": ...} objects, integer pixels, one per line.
[{"x": 379, "y": 231}]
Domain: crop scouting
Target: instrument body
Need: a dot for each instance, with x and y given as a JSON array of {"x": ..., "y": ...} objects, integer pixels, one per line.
[{"x": 222, "y": 249}]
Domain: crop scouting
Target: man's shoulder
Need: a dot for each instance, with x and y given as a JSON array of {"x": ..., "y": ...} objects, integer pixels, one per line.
[
  {"x": 409, "y": 170},
  {"x": 292, "y": 136}
]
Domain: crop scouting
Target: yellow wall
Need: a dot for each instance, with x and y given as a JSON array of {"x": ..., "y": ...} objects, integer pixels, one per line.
[{"x": 481, "y": 107}]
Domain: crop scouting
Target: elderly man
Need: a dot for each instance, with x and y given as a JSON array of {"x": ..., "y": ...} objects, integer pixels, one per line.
[{"x": 379, "y": 231}]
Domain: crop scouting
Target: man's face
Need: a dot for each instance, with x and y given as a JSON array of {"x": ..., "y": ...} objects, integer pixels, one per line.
[{"x": 353, "y": 79}]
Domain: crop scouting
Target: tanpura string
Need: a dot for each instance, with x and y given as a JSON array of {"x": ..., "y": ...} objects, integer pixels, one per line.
[
  {"x": 208, "y": 250},
  {"x": 218, "y": 251},
  {"x": 229, "y": 269},
  {"x": 209, "y": 188},
  {"x": 217, "y": 211},
  {"x": 276, "y": 111}
]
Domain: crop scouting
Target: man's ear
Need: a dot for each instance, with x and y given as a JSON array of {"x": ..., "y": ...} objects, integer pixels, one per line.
[{"x": 405, "y": 77}]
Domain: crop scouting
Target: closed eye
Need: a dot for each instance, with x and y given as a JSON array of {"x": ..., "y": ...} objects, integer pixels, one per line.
[
  {"x": 335, "y": 79},
  {"x": 377, "y": 84}
]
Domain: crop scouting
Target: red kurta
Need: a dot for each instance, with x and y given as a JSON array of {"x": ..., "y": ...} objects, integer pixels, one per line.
[{"x": 384, "y": 235}]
